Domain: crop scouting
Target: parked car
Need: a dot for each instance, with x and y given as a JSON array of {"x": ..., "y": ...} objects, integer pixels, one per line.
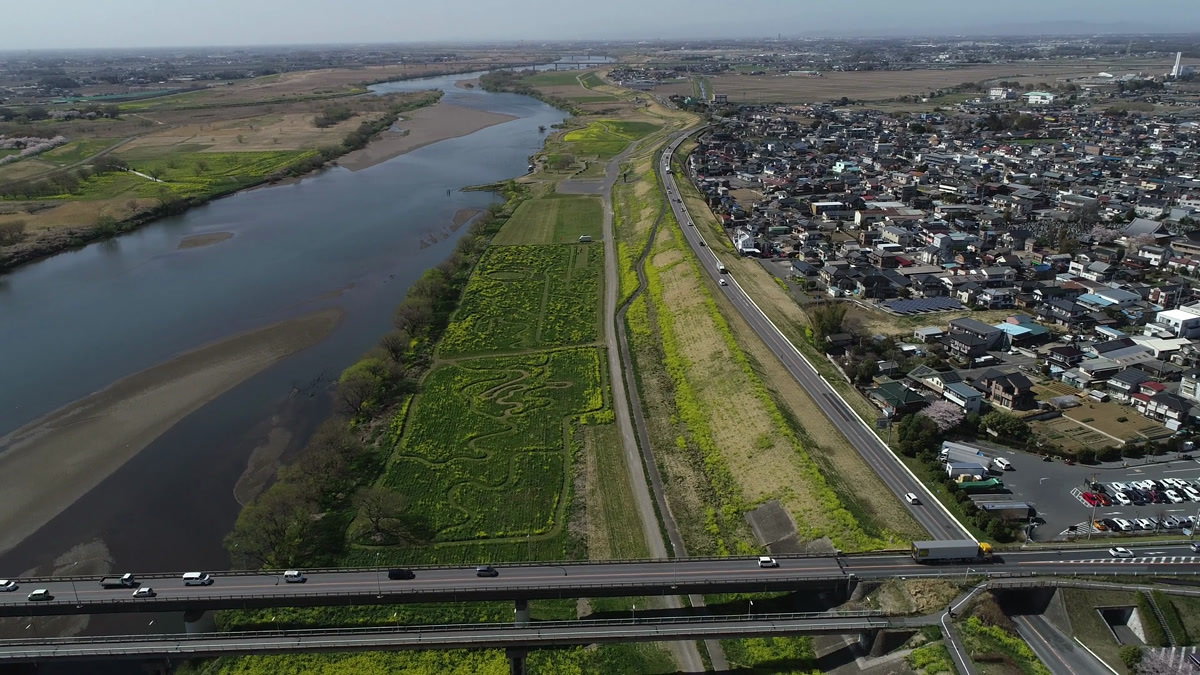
[
  {"x": 1121, "y": 498},
  {"x": 1174, "y": 497},
  {"x": 1123, "y": 525},
  {"x": 1098, "y": 488},
  {"x": 1192, "y": 493},
  {"x": 1105, "y": 500},
  {"x": 1099, "y": 525},
  {"x": 1110, "y": 524},
  {"x": 1091, "y": 499},
  {"x": 1146, "y": 523}
]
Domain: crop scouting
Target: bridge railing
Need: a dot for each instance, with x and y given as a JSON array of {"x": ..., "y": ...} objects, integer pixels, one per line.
[
  {"x": 469, "y": 566},
  {"x": 765, "y": 617}
]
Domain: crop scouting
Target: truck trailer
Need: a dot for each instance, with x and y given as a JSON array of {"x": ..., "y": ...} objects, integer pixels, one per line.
[
  {"x": 950, "y": 551},
  {"x": 123, "y": 581}
]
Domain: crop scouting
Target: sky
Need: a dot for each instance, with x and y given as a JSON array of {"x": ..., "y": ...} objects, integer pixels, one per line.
[{"x": 178, "y": 23}]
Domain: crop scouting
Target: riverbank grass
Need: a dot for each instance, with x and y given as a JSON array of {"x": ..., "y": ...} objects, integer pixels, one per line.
[
  {"x": 553, "y": 219},
  {"x": 605, "y": 139}
]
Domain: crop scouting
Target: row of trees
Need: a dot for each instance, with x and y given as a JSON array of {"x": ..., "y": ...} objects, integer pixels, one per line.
[
  {"x": 328, "y": 496},
  {"x": 332, "y": 115}
]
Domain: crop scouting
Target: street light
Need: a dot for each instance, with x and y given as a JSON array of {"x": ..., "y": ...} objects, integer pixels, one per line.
[
  {"x": 73, "y": 586},
  {"x": 750, "y": 609}
]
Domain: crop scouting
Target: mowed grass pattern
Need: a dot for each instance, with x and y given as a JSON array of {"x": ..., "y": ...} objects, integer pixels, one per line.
[
  {"x": 606, "y": 139},
  {"x": 486, "y": 451},
  {"x": 556, "y": 219},
  {"x": 528, "y": 297}
]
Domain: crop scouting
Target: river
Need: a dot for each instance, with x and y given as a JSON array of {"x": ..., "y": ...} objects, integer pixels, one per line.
[{"x": 75, "y": 323}]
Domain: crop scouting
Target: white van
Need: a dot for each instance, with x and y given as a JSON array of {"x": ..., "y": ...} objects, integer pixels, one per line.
[
  {"x": 1001, "y": 463},
  {"x": 197, "y": 579},
  {"x": 294, "y": 577}
]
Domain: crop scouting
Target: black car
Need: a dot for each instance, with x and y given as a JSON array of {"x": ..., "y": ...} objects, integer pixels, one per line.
[
  {"x": 398, "y": 574},
  {"x": 1110, "y": 524},
  {"x": 1097, "y": 487},
  {"x": 486, "y": 571}
]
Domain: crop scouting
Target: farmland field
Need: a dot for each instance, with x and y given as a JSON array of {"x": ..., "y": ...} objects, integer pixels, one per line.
[
  {"x": 78, "y": 150},
  {"x": 527, "y": 297},
  {"x": 605, "y": 139},
  {"x": 486, "y": 452},
  {"x": 555, "y": 219}
]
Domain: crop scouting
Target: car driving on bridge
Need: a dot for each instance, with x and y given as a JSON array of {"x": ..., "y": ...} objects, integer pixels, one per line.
[
  {"x": 1120, "y": 552},
  {"x": 7, "y": 585}
]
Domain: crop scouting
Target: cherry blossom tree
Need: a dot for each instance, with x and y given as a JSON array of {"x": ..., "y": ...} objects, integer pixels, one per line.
[{"x": 944, "y": 414}]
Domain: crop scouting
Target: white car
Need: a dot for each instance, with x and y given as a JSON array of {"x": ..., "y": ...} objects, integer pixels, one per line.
[
  {"x": 1173, "y": 497},
  {"x": 1121, "y": 498},
  {"x": 7, "y": 586},
  {"x": 722, "y": 282},
  {"x": 39, "y": 595},
  {"x": 1124, "y": 525},
  {"x": 1120, "y": 552},
  {"x": 144, "y": 592},
  {"x": 1118, "y": 487},
  {"x": 767, "y": 561},
  {"x": 1192, "y": 493},
  {"x": 1146, "y": 523},
  {"x": 294, "y": 577},
  {"x": 912, "y": 498}
]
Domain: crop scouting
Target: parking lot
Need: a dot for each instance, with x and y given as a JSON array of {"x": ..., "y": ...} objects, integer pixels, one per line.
[{"x": 1056, "y": 491}]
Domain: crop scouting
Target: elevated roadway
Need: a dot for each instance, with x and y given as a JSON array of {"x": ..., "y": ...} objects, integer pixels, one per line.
[
  {"x": 233, "y": 590},
  {"x": 474, "y": 636}
]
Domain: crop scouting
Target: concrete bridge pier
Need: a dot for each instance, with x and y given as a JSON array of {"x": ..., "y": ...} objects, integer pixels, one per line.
[
  {"x": 866, "y": 640},
  {"x": 522, "y": 613},
  {"x": 516, "y": 660},
  {"x": 196, "y": 622}
]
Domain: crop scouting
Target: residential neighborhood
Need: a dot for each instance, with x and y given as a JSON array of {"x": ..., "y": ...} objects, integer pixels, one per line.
[{"x": 1072, "y": 229}]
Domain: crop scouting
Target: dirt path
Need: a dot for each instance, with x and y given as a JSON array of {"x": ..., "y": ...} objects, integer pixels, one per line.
[{"x": 685, "y": 652}]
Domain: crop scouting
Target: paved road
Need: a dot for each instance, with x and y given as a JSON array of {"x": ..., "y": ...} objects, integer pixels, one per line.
[
  {"x": 475, "y": 636},
  {"x": 1060, "y": 654},
  {"x": 686, "y": 653},
  {"x": 931, "y": 514},
  {"x": 654, "y": 577}
]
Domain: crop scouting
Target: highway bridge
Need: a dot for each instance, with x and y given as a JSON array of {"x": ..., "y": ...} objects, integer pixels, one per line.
[
  {"x": 523, "y": 582},
  {"x": 513, "y": 636}
]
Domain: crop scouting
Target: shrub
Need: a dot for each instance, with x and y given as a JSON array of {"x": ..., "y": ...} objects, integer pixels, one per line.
[
  {"x": 12, "y": 232},
  {"x": 1131, "y": 656}
]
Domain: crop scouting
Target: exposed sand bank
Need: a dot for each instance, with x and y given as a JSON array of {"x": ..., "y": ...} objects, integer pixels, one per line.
[
  {"x": 467, "y": 84},
  {"x": 424, "y": 126},
  {"x": 63, "y": 455},
  {"x": 198, "y": 240}
]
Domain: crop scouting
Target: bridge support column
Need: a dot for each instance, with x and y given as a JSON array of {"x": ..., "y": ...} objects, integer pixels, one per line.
[
  {"x": 516, "y": 660},
  {"x": 866, "y": 640},
  {"x": 198, "y": 621},
  {"x": 522, "y": 616}
]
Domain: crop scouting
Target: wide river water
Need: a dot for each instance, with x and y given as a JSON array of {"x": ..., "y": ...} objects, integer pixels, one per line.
[{"x": 73, "y": 324}]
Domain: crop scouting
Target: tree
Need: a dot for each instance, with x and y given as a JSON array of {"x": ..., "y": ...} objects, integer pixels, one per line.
[
  {"x": 363, "y": 385},
  {"x": 329, "y": 463},
  {"x": 413, "y": 315},
  {"x": 827, "y": 320},
  {"x": 1104, "y": 235},
  {"x": 275, "y": 529},
  {"x": 381, "y": 508},
  {"x": 944, "y": 414},
  {"x": 916, "y": 433},
  {"x": 1005, "y": 425},
  {"x": 397, "y": 344},
  {"x": 12, "y": 232}
]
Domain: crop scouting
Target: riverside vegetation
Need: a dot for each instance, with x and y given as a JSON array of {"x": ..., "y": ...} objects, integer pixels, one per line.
[
  {"x": 463, "y": 438},
  {"x": 118, "y": 185}
]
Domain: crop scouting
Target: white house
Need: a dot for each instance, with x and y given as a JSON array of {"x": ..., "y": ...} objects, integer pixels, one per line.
[
  {"x": 1181, "y": 323},
  {"x": 1041, "y": 98}
]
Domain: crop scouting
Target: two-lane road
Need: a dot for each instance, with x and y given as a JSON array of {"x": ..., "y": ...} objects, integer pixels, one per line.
[
  {"x": 930, "y": 513},
  {"x": 569, "y": 580}
]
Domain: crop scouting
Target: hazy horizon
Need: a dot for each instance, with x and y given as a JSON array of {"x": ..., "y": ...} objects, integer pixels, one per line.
[{"x": 81, "y": 24}]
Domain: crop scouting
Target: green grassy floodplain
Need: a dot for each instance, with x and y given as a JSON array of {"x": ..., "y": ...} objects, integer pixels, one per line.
[{"x": 553, "y": 219}]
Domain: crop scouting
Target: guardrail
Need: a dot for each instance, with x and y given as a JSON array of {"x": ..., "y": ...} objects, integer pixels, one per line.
[{"x": 468, "y": 566}]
